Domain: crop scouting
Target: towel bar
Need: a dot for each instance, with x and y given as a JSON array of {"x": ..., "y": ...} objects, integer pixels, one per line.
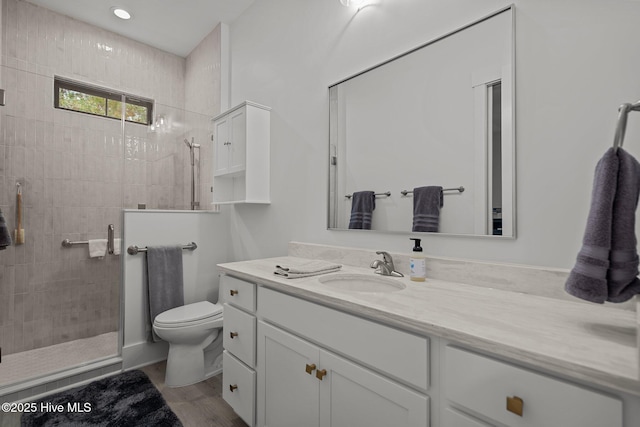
[
  {"x": 133, "y": 250},
  {"x": 386, "y": 194},
  {"x": 458, "y": 189}
]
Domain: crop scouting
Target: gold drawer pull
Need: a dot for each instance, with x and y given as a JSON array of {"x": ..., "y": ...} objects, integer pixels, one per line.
[
  {"x": 310, "y": 368},
  {"x": 321, "y": 373},
  {"x": 233, "y": 292},
  {"x": 515, "y": 404},
  {"x": 232, "y": 387},
  {"x": 233, "y": 334}
]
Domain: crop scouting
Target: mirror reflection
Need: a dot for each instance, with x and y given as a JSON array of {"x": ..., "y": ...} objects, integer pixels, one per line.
[{"x": 425, "y": 141}]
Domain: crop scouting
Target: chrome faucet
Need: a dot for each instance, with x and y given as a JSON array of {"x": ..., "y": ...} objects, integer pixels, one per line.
[{"x": 385, "y": 265}]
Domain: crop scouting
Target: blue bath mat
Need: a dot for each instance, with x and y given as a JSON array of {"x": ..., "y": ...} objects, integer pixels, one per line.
[{"x": 127, "y": 399}]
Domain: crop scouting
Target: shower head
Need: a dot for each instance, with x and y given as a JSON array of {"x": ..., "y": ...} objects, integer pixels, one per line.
[{"x": 191, "y": 144}]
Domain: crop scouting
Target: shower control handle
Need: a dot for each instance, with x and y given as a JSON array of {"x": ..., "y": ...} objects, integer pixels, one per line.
[{"x": 110, "y": 239}]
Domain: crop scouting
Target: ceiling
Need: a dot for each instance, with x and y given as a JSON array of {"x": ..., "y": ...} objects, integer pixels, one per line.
[{"x": 171, "y": 25}]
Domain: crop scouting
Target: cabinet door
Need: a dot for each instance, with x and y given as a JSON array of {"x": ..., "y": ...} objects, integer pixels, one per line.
[
  {"x": 238, "y": 139},
  {"x": 221, "y": 141},
  {"x": 289, "y": 395},
  {"x": 352, "y": 396}
]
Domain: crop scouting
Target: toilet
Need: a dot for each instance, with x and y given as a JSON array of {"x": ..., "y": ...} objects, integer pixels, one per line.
[{"x": 188, "y": 329}]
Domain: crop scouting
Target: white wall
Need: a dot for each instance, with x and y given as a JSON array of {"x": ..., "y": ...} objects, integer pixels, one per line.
[
  {"x": 576, "y": 61},
  {"x": 201, "y": 281}
]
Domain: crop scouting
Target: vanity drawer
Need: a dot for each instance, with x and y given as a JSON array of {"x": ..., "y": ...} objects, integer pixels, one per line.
[
  {"x": 238, "y": 292},
  {"x": 453, "y": 418},
  {"x": 484, "y": 385},
  {"x": 398, "y": 354},
  {"x": 240, "y": 334},
  {"x": 239, "y": 387}
]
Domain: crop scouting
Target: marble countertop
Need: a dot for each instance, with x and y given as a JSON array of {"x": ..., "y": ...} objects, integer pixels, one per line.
[{"x": 596, "y": 344}]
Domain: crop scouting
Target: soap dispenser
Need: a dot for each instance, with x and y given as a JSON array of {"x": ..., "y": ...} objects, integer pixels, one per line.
[{"x": 417, "y": 263}]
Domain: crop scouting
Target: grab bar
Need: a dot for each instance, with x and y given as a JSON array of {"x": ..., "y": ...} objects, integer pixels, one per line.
[
  {"x": 66, "y": 243},
  {"x": 133, "y": 250}
]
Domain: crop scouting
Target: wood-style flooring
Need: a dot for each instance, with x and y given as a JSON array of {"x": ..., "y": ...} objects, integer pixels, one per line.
[{"x": 198, "y": 405}]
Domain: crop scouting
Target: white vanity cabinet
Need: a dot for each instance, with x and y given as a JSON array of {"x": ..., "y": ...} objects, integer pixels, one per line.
[
  {"x": 508, "y": 395},
  {"x": 239, "y": 342},
  {"x": 241, "y": 164},
  {"x": 301, "y": 383},
  {"x": 303, "y": 358}
]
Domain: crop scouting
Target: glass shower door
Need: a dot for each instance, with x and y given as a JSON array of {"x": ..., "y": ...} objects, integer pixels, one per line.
[{"x": 59, "y": 306}]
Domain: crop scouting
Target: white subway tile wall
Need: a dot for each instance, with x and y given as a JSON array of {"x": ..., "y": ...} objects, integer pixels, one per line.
[{"x": 78, "y": 171}]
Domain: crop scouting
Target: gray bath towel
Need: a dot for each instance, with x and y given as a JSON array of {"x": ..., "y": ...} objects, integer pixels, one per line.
[
  {"x": 362, "y": 205},
  {"x": 607, "y": 264},
  {"x": 5, "y": 235},
  {"x": 427, "y": 202},
  {"x": 164, "y": 274}
]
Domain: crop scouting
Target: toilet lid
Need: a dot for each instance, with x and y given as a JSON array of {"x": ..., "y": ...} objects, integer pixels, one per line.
[{"x": 189, "y": 313}]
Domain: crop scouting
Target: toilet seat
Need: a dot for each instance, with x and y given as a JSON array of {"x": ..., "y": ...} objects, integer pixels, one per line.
[{"x": 188, "y": 315}]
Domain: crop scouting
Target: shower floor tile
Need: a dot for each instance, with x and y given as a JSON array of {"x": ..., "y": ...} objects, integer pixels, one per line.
[{"x": 35, "y": 363}]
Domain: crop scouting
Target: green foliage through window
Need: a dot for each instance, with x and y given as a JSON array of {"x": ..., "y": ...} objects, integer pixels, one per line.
[{"x": 100, "y": 102}]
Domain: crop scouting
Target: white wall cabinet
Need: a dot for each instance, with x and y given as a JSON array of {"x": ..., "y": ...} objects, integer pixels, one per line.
[
  {"x": 241, "y": 164},
  {"x": 230, "y": 135},
  {"x": 308, "y": 386}
]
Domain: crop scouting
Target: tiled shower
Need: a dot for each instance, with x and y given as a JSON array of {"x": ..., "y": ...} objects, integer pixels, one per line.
[{"x": 77, "y": 172}]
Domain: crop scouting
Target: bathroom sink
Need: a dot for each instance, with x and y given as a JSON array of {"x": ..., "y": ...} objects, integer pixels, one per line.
[{"x": 361, "y": 283}]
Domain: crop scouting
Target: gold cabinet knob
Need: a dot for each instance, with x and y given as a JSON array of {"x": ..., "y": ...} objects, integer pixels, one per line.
[
  {"x": 233, "y": 292},
  {"x": 515, "y": 405},
  {"x": 310, "y": 368},
  {"x": 233, "y": 334},
  {"x": 232, "y": 387},
  {"x": 321, "y": 373}
]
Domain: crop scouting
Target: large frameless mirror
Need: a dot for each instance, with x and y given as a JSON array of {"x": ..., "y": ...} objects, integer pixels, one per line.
[{"x": 441, "y": 115}]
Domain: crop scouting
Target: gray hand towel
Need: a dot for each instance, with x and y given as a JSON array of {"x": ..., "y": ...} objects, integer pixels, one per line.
[
  {"x": 164, "y": 274},
  {"x": 362, "y": 205},
  {"x": 427, "y": 202},
  {"x": 5, "y": 235},
  {"x": 622, "y": 277},
  {"x": 607, "y": 264}
]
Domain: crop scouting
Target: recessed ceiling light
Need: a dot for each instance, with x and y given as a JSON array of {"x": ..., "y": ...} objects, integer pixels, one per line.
[{"x": 121, "y": 13}]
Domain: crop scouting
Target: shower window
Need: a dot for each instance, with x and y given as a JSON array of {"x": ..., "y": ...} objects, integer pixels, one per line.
[{"x": 74, "y": 96}]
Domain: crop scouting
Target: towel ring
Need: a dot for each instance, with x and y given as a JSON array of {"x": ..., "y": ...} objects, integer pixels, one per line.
[{"x": 621, "y": 125}]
